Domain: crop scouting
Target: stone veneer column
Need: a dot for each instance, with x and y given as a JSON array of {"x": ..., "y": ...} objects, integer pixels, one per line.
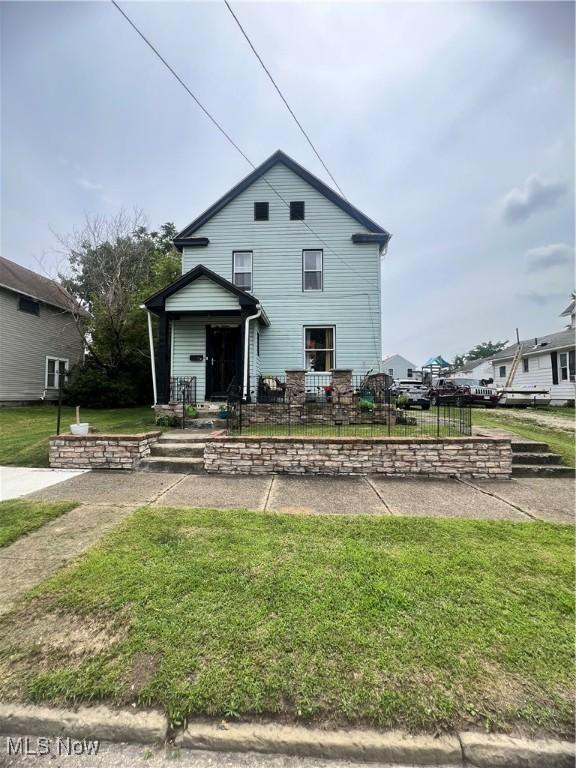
[
  {"x": 342, "y": 389},
  {"x": 296, "y": 385}
]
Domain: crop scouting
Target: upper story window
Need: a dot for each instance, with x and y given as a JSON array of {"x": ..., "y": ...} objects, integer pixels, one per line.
[
  {"x": 525, "y": 365},
  {"x": 26, "y": 304},
  {"x": 312, "y": 270},
  {"x": 502, "y": 371},
  {"x": 242, "y": 269},
  {"x": 261, "y": 212},
  {"x": 297, "y": 211},
  {"x": 409, "y": 373}
]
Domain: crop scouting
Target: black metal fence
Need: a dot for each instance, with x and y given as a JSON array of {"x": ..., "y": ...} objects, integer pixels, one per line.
[
  {"x": 183, "y": 390},
  {"x": 368, "y": 409}
]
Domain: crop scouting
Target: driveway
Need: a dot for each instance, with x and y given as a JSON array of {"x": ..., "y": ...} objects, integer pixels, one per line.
[{"x": 18, "y": 481}]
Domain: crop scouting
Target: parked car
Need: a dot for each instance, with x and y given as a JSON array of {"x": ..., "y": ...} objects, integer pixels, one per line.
[
  {"x": 410, "y": 392},
  {"x": 464, "y": 392}
]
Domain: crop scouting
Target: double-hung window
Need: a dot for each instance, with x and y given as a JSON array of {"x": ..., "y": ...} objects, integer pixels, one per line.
[
  {"x": 28, "y": 305},
  {"x": 55, "y": 369},
  {"x": 502, "y": 371},
  {"x": 525, "y": 365},
  {"x": 312, "y": 270},
  {"x": 242, "y": 269},
  {"x": 563, "y": 366},
  {"x": 319, "y": 348}
]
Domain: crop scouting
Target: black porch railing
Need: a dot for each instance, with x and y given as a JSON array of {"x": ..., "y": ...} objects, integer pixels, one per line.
[{"x": 183, "y": 390}]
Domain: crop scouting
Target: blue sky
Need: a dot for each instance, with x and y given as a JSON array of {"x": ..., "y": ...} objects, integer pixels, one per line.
[{"x": 452, "y": 125}]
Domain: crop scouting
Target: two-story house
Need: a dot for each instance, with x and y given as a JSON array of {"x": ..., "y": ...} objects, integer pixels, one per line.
[
  {"x": 280, "y": 273},
  {"x": 40, "y": 335}
]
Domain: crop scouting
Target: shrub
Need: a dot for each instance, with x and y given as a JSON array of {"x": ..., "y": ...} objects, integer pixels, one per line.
[
  {"x": 191, "y": 411},
  {"x": 167, "y": 420},
  {"x": 366, "y": 405},
  {"x": 92, "y": 386}
]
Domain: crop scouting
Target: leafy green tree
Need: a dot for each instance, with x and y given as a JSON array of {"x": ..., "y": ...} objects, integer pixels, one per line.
[
  {"x": 113, "y": 265},
  {"x": 479, "y": 352}
]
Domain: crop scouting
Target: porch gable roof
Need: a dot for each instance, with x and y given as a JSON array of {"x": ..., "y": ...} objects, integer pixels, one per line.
[{"x": 157, "y": 302}]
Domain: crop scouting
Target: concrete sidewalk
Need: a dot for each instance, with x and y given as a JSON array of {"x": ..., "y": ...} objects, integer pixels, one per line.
[
  {"x": 18, "y": 481},
  {"x": 522, "y": 499}
]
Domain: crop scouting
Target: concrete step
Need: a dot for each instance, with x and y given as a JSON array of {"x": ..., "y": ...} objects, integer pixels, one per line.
[
  {"x": 542, "y": 470},
  {"x": 185, "y": 436},
  {"x": 210, "y": 423},
  {"x": 536, "y": 458},
  {"x": 172, "y": 448},
  {"x": 529, "y": 446},
  {"x": 177, "y": 464}
]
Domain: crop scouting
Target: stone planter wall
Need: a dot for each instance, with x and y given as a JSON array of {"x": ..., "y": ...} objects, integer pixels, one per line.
[
  {"x": 313, "y": 413},
  {"x": 466, "y": 457},
  {"x": 100, "y": 451}
]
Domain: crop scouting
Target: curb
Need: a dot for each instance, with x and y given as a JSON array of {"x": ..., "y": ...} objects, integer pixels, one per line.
[
  {"x": 101, "y": 723},
  {"x": 477, "y": 750}
]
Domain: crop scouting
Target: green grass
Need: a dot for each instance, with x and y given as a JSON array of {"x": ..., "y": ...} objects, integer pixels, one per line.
[
  {"x": 415, "y": 623},
  {"x": 24, "y": 432},
  {"x": 560, "y": 441},
  {"x": 18, "y": 516},
  {"x": 425, "y": 426}
]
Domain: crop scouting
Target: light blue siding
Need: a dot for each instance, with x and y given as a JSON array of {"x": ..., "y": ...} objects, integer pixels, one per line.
[
  {"x": 202, "y": 294},
  {"x": 350, "y": 300}
]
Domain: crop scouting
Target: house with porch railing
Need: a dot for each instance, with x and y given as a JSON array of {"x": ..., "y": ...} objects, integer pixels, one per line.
[{"x": 280, "y": 274}]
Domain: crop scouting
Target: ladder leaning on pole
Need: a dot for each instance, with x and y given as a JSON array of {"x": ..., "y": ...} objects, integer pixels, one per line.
[{"x": 514, "y": 366}]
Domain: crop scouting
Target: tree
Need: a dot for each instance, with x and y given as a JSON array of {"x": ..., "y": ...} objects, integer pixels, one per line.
[
  {"x": 479, "y": 352},
  {"x": 114, "y": 264}
]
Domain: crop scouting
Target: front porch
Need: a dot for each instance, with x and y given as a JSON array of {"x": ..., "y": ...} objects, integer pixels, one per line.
[{"x": 208, "y": 334}]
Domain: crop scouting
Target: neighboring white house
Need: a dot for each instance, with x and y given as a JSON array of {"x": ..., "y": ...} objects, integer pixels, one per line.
[
  {"x": 399, "y": 367},
  {"x": 475, "y": 369},
  {"x": 546, "y": 362},
  {"x": 39, "y": 335}
]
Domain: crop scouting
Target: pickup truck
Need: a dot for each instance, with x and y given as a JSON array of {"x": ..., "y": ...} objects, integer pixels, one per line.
[{"x": 464, "y": 392}]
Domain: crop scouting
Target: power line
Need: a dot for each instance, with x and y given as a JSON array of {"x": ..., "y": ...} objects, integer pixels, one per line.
[
  {"x": 288, "y": 107},
  {"x": 231, "y": 140}
]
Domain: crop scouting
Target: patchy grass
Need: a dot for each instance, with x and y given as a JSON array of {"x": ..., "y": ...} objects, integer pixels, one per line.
[
  {"x": 25, "y": 431},
  {"x": 416, "y": 623},
  {"x": 20, "y": 516},
  {"x": 560, "y": 441}
]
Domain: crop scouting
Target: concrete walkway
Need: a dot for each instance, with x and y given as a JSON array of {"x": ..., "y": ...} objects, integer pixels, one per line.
[
  {"x": 522, "y": 499},
  {"x": 18, "y": 481}
]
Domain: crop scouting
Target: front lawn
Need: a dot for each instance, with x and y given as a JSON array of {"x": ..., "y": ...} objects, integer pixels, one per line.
[
  {"x": 416, "y": 623},
  {"x": 20, "y": 516},
  {"x": 560, "y": 441},
  {"x": 25, "y": 431}
]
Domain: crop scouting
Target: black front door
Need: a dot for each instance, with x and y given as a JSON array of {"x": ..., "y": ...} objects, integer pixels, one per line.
[{"x": 223, "y": 360}]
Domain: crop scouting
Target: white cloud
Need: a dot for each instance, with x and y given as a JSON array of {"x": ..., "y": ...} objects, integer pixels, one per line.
[
  {"x": 534, "y": 195},
  {"x": 549, "y": 256},
  {"x": 89, "y": 186}
]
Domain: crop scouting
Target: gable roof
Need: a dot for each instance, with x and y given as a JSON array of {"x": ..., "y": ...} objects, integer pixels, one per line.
[
  {"x": 399, "y": 357},
  {"x": 547, "y": 343},
  {"x": 156, "y": 302},
  {"x": 21, "y": 280},
  {"x": 570, "y": 308},
  {"x": 284, "y": 159}
]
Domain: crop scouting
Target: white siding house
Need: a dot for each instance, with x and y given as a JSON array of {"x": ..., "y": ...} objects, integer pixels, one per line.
[
  {"x": 284, "y": 249},
  {"x": 399, "y": 367},
  {"x": 475, "y": 369},
  {"x": 39, "y": 336},
  {"x": 546, "y": 362}
]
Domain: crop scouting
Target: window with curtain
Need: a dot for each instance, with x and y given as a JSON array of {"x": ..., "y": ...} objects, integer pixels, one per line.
[
  {"x": 312, "y": 270},
  {"x": 242, "y": 269},
  {"x": 319, "y": 349}
]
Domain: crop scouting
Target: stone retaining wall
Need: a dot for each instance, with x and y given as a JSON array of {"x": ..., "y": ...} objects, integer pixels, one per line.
[
  {"x": 98, "y": 451},
  {"x": 467, "y": 457}
]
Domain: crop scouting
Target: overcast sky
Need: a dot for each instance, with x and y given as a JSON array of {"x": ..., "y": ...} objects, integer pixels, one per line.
[{"x": 451, "y": 125}]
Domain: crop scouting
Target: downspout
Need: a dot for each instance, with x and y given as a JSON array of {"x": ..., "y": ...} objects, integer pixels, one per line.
[
  {"x": 152, "y": 360},
  {"x": 246, "y": 348}
]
